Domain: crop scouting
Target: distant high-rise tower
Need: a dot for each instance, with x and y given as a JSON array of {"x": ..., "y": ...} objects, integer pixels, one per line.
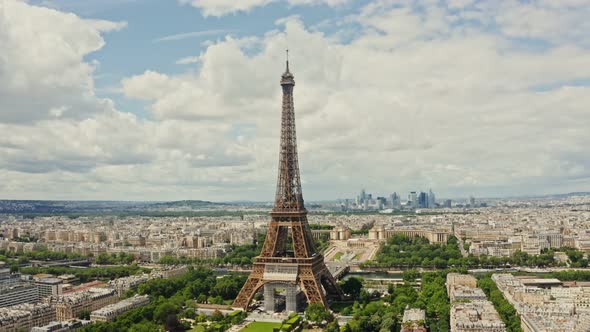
[
  {"x": 471, "y": 201},
  {"x": 289, "y": 259},
  {"x": 381, "y": 201},
  {"x": 413, "y": 199},
  {"x": 431, "y": 199},
  {"x": 423, "y": 200},
  {"x": 395, "y": 201}
]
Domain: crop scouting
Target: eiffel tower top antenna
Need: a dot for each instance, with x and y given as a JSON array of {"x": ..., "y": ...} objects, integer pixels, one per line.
[{"x": 287, "y": 50}]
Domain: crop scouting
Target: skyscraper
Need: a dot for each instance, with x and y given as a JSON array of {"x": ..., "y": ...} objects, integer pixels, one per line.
[
  {"x": 431, "y": 199},
  {"x": 413, "y": 199},
  {"x": 423, "y": 200},
  {"x": 395, "y": 201}
]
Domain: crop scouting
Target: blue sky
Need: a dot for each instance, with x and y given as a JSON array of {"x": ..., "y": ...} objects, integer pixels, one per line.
[{"x": 164, "y": 100}]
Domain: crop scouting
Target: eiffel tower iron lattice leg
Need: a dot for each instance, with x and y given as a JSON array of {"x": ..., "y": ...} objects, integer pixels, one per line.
[{"x": 250, "y": 288}]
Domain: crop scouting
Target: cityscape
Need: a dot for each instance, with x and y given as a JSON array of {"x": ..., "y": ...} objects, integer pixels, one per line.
[
  {"x": 421, "y": 200},
  {"x": 136, "y": 193},
  {"x": 534, "y": 252}
]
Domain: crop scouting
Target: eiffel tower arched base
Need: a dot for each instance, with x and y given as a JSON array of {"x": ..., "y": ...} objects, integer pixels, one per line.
[{"x": 312, "y": 277}]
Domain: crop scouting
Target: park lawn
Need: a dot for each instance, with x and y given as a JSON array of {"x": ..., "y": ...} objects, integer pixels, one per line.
[
  {"x": 261, "y": 327},
  {"x": 338, "y": 255}
]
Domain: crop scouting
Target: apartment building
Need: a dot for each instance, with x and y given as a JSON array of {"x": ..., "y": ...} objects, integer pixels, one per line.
[
  {"x": 546, "y": 306},
  {"x": 470, "y": 309},
  {"x": 70, "y": 305},
  {"x": 72, "y": 325},
  {"x": 110, "y": 312},
  {"x": 477, "y": 316},
  {"x": 49, "y": 286},
  {"x": 121, "y": 285},
  {"x": 17, "y": 293},
  {"x": 25, "y": 316}
]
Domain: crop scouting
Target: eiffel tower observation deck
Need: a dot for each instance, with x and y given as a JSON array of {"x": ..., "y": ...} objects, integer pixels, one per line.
[{"x": 289, "y": 260}]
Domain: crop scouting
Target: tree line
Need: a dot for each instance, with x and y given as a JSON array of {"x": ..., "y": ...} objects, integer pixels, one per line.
[
  {"x": 402, "y": 251},
  {"x": 88, "y": 274},
  {"x": 506, "y": 311}
]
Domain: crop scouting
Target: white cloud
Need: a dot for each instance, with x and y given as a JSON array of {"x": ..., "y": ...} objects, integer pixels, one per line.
[
  {"x": 552, "y": 21},
  {"x": 411, "y": 95},
  {"x": 226, "y": 7},
  {"x": 106, "y": 26},
  {"x": 193, "y": 34},
  {"x": 544, "y": 22},
  {"x": 42, "y": 63},
  {"x": 188, "y": 60},
  {"x": 86, "y": 7},
  {"x": 332, "y": 3},
  {"x": 460, "y": 3}
]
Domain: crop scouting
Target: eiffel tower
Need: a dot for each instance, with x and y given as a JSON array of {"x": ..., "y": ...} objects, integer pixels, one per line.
[{"x": 289, "y": 259}]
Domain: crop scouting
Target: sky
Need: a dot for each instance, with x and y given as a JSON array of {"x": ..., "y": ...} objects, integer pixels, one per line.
[{"x": 180, "y": 99}]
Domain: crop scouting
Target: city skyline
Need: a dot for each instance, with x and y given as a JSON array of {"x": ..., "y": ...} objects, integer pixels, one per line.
[{"x": 128, "y": 100}]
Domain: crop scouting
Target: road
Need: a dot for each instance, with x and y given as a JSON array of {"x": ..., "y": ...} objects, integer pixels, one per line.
[{"x": 463, "y": 251}]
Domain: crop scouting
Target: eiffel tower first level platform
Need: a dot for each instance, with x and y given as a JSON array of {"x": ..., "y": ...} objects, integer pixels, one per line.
[{"x": 289, "y": 263}]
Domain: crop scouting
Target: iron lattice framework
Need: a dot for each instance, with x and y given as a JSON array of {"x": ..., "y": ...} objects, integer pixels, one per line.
[{"x": 289, "y": 244}]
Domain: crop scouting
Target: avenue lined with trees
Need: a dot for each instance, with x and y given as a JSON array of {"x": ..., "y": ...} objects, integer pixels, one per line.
[{"x": 505, "y": 309}]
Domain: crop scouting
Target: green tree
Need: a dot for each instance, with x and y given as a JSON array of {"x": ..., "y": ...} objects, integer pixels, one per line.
[
  {"x": 145, "y": 326},
  {"x": 352, "y": 286},
  {"x": 104, "y": 258},
  {"x": 365, "y": 296},
  {"x": 202, "y": 298},
  {"x": 84, "y": 314},
  {"x": 332, "y": 326},
  {"x": 190, "y": 313},
  {"x": 410, "y": 275},
  {"x": 317, "y": 313},
  {"x": 164, "y": 310},
  {"x": 388, "y": 323},
  {"x": 216, "y": 315},
  {"x": 172, "y": 324}
]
